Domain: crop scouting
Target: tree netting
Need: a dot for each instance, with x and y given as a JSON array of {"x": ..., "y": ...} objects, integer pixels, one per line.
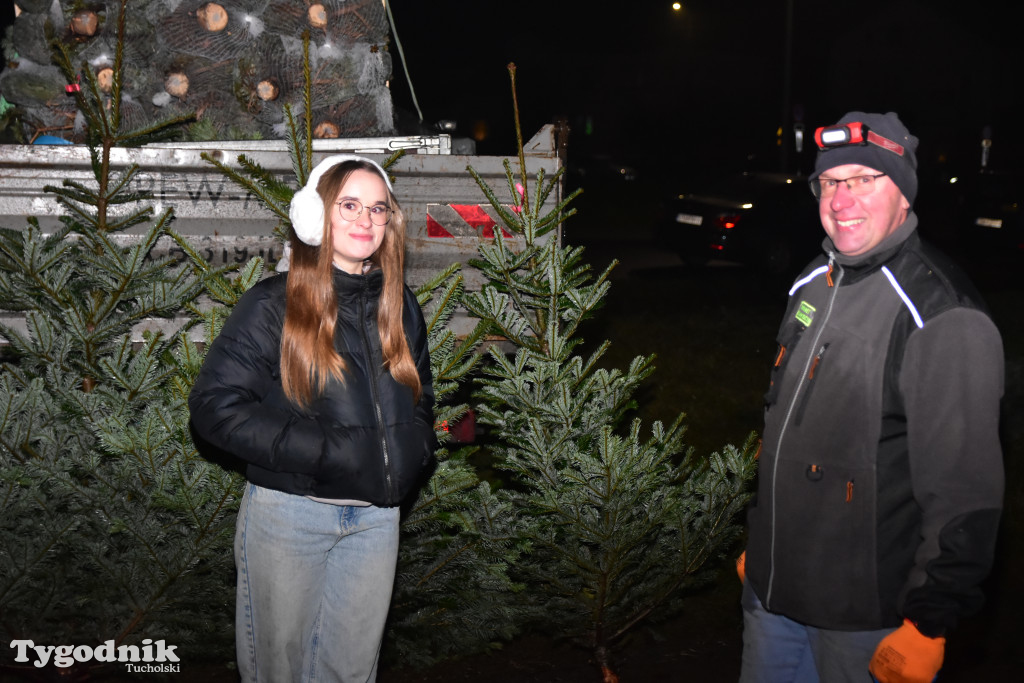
[{"x": 236, "y": 63}]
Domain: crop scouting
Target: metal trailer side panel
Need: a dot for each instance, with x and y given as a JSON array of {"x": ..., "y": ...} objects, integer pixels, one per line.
[{"x": 447, "y": 213}]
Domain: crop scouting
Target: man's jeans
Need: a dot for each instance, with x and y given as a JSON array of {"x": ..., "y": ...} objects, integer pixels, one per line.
[
  {"x": 314, "y": 586},
  {"x": 779, "y": 650}
]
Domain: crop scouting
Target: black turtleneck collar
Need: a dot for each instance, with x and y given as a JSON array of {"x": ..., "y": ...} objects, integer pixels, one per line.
[{"x": 371, "y": 282}]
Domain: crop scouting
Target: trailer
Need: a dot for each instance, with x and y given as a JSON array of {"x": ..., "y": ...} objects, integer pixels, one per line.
[{"x": 446, "y": 212}]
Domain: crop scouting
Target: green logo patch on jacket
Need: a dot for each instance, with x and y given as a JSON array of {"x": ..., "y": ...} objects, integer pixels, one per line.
[{"x": 805, "y": 313}]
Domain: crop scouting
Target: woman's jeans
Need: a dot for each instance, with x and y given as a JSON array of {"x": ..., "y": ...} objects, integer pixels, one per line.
[
  {"x": 314, "y": 586},
  {"x": 779, "y": 650}
]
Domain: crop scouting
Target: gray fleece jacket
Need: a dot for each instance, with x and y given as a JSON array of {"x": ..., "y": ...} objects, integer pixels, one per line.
[{"x": 880, "y": 479}]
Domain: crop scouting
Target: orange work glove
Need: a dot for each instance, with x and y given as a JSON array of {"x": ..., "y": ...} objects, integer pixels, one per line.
[
  {"x": 907, "y": 656},
  {"x": 741, "y": 566}
]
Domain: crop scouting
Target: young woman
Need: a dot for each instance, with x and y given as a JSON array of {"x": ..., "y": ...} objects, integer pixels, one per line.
[{"x": 320, "y": 381}]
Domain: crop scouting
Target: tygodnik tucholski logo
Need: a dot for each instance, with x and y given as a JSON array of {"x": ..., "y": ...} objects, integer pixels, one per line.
[{"x": 149, "y": 657}]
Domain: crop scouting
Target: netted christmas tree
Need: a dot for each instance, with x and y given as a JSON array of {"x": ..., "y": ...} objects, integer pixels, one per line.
[
  {"x": 236, "y": 63},
  {"x": 114, "y": 529},
  {"x": 619, "y": 524}
]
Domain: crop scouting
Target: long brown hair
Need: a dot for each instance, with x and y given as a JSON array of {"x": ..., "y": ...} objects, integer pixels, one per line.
[{"x": 308, "y": 356}]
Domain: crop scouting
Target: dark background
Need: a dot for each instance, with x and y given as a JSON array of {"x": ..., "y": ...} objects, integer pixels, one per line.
[
  {"x": 676, "y": 94},
  {"x": 679, "y": 93}
]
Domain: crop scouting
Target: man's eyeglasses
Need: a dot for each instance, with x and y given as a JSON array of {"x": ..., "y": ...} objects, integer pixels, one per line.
[
  {"x": 824, "y": 188},
  {"x": 352, "y": 209}
]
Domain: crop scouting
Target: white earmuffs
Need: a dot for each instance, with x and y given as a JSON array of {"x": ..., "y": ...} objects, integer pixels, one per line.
[{"x": 307, "y": 208}]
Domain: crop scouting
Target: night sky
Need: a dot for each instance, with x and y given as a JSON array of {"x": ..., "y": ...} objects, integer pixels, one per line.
[{"x": 678, "y": 92}]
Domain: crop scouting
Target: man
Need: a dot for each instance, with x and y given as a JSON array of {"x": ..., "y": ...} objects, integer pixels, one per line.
[{"x": 881, "y": 476}]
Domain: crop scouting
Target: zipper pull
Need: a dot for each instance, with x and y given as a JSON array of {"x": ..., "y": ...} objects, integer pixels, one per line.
[
  {"x": 817, "y": 359},
  {"x": 831, "y": 265},
  {"x": 780, "y": 356}
]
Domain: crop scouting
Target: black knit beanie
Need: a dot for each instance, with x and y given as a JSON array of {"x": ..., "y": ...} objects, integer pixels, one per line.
[{"x": 902, "y": 169}]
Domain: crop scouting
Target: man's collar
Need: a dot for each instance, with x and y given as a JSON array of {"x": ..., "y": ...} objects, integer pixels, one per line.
[{"x": 881, "y": 252}]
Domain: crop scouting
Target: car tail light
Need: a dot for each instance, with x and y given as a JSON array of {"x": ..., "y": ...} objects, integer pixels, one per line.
[{"x": 728, "y": 222}]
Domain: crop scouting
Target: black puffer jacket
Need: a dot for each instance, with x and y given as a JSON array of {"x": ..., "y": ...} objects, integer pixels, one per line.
[{"x": 362, "y": 439}]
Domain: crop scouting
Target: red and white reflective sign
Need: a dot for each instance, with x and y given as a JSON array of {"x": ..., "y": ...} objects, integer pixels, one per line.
[{"x": 463, "y": 220}]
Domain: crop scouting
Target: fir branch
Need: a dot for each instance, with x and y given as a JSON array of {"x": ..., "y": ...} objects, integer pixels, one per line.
[
  {"x": 604, "y": 511},
  {"x": 519, "y": 136},
  {"x": 297, "y": 151},
  {"x": 307, "y": 113},
  {"x": 160, "y": 130}
]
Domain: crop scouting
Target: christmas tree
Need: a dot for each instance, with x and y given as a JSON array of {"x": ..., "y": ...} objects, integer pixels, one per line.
[
  {"x": 114, "y": 529},
  {"x": 453, "y": 594},
  {"x": 618, "y": 524}
]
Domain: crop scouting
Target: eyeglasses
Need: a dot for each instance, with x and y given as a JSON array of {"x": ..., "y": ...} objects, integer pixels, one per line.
[
  {"x": 824, "y": 188},
  {"x": 352, "y": 209}
]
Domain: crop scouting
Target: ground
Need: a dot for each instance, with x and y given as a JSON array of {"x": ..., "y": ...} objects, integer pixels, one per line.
[{"x": 703, "y": 645}]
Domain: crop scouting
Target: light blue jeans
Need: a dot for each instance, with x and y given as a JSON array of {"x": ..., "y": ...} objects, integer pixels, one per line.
[
  {"x": 314, "y": 586},
  {"x": 777, "y": 649}
]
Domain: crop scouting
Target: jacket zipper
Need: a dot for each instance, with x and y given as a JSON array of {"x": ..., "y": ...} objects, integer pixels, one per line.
[
  {"x": 375, "y": 393},
  {"x": 816, "y": 344},
  {"x": 805, "y": 401}
]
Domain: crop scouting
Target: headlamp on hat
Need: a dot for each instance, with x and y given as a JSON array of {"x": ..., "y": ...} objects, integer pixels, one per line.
[{"x": 853, "y": 133}]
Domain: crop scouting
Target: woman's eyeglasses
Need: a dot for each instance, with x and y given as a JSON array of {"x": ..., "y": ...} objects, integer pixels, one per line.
[{"x": 352, "y": 209}]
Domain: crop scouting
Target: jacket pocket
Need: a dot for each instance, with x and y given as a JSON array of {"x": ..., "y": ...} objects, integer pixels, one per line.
[
  {"x": 787, "y": 339},
  {"x": 811, "y": 381},
  {"x": 426, "y": 441},
  {"x": 826, "y": 563},
  {"x": 412, "y": 453}
]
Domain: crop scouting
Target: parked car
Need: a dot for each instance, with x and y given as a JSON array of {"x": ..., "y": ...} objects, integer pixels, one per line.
[
  {"x": 991, "y": 217},
  {"x": 767, "y": 220},
  {"x": 585, "y": 170}
]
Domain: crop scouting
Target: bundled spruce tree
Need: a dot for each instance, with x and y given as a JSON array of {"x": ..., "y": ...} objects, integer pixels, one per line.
[
  {"x": 236, "y": 63},
  {"x": 113, "y": 528},
  {"x": 619, "y": 524}
]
